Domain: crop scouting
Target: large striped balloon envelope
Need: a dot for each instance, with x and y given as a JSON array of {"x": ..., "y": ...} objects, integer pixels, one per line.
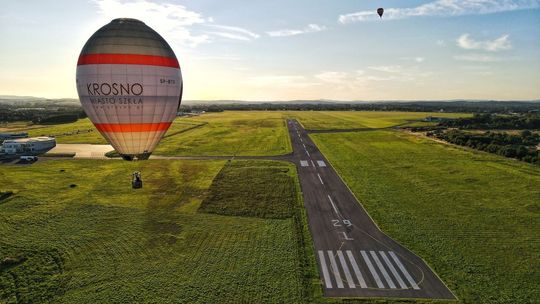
[{"x": 130, "y": 86}]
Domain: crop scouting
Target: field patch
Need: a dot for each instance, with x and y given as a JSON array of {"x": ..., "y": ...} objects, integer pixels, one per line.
[
  {"x": 103, "y": 242},
  {"x": 252, "y": 188},
  {"x": 364, "y": 119}
]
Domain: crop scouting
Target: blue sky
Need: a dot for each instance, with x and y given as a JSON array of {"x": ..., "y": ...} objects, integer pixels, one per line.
[{"x": 302, "y": 49}]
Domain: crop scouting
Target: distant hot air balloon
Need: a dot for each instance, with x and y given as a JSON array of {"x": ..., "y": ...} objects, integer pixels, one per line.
[
  {"x": 380, "y": 11},
  {"x": 130, "y": 86}
]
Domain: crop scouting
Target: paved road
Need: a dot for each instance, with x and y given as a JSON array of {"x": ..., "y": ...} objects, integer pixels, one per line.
[{"x": 355, "y": 258}]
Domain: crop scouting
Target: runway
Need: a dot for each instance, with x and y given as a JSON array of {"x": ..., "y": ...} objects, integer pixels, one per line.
[{"x": 355, "y": 258}]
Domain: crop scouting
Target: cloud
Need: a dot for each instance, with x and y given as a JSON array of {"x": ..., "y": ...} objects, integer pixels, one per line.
[
  {"x": 233, "y": 32},
  {"x": 415, "y": 59},
  {"x": 274, "y": 81},
  {"x": 171, "y": 20},
  {"x": 443, "y": 8},
  {"x": 310, "y": 28},
  {"x": 478, "y": 58},
  {"x": 498, "y": 44},
  {"x": 332, "y": 77},
  {"x": 386, "y": 68},
  {"x": 174, "y": 21}
]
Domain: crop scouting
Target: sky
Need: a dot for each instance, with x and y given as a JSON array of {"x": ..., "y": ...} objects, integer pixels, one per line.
[{"x": 288, "y": 50}]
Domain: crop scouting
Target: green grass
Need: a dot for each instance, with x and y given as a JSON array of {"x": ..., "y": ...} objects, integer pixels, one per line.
[
  {"x": 362, "y": 119},
  {"x": 103, "y": 242},
  {"x": 472, "y": 216},
  {"x": 241, "y": 188},
  {"x": 230, "y": 133}
]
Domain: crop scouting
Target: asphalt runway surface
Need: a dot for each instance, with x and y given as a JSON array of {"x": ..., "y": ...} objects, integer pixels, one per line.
[{"x": 355, "y": 258}]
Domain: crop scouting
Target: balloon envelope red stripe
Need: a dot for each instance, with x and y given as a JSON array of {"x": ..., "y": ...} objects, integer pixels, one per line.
[
  {"x": 133, "y": 127},
  {"x": 128, "y": 59}
]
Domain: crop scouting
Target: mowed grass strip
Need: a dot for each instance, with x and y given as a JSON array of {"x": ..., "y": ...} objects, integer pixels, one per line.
[
  {"x": 252, "y": 188},
  {"x": 362, "y": 119},
  {"x": 472, "y": 216},
  {"x": 103, "y": 242}
]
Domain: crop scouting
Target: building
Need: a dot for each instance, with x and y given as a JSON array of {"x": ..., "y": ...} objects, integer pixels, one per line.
[
  {"x": 31, "y": 146},
  {"x": 4, "y": 136}
]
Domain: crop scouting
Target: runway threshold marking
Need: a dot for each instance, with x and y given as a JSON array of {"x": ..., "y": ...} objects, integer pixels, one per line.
[
  {"x": 304, "y": 163},
  {"x": 320, "y": 179},
  {"x": 382, "y": 270},
  {"x": 335, "y": 269},
  {"x": 348, "y": 275},
  {"x": 403, "y": 270},
  {"x": 326, "y": 275},
  {"x": 393, "y": 270},
  {"x": 374, "y": 273},
  {"x": 356, "y": 270},
  {"x": 321, "y": 163},
  {"x": 333, "y": 206}
]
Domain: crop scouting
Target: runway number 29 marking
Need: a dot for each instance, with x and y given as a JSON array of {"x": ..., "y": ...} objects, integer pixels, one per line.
[{"x": 338, "y": 223}]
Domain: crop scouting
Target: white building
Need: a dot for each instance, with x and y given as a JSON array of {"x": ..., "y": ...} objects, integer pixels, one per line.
[{"x": 32, "y": 146}]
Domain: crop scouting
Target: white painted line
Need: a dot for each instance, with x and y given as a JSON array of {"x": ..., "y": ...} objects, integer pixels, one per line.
[
  {"x": 304, "y": 163},
  {"x": 372, "y": 269},
  {"x": 326, "y": 275},
  {"x": 356, "y": 270},
  {"x": 301, "y": 140},
  {"x": 348, "y": 275},
  {"x": 304, "y": 146},
  {"x": 312, "y": 163},
  {"x": 321, "y": 163},
  {"x": 320, "y": 179},
  {"x": 393, "y": 270},
  {"x": 333, "y": 206},
  {"x": 403, "y": 270},
  {"x": 307, "y": 153},
  {"x": 335, "y": 270},
  {"x": 383, "y": 271}
]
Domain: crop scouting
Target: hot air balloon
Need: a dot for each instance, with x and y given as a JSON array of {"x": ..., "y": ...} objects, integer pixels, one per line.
[
  {"x": 130, "y": 86},
  {"x": 380, "y": 11}
]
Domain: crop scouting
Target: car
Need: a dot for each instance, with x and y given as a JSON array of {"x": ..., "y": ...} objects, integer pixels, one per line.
[{"x": 29, "y": 158}]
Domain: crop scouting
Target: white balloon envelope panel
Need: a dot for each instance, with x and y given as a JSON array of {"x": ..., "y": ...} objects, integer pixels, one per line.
[{"x": 130, "y": 86}]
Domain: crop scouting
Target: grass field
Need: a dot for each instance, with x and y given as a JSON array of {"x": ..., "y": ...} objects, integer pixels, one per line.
[
  {"x": 363, "y": 119},
  {"x": 231, "y": 133},
  {"x": 473, "y": 217},
  {"x": 103, "y": 242}
]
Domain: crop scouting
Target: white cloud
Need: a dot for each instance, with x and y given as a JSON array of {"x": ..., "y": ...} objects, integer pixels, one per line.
[
  {"x": 478, "y": 58},
  {"x": 291, "y": 81},
  {"x": 174, "y": 21},
  {"x": 443, "y": 8},
  {"x": 310, "y": 28},
  {"x": 415, "y": 59},
  {"x": 233, "y": 32},
  {"x": 501, "y": 43},
  {"x": 386, "y": 68},
  {"x": 171, "y": 20}
]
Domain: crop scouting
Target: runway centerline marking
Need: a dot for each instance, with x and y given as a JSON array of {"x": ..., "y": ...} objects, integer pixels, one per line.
[
  {"x": 335, "y": 269},
  {"x": 393, "y": 270},
  {"x": 307, "y": 153},
  {"x": 383, "y": 271},
  {"x": 326, "y": 275},
  {"x": 320, "y": 179},
  {"x": 356, "y": 269},
  {"x": 312, "y": 163},
  {"x": 403, "y": 270},
  {"x": 348, "y": 275},
  {"x": 333, "y": 206},
  {"x": 372, "y": 269}
]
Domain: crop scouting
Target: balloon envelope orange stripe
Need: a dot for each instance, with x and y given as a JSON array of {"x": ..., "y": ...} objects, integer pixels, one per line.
[
  {"x": 137, "y": 127},
  {"x": 128, "y": 59}
]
